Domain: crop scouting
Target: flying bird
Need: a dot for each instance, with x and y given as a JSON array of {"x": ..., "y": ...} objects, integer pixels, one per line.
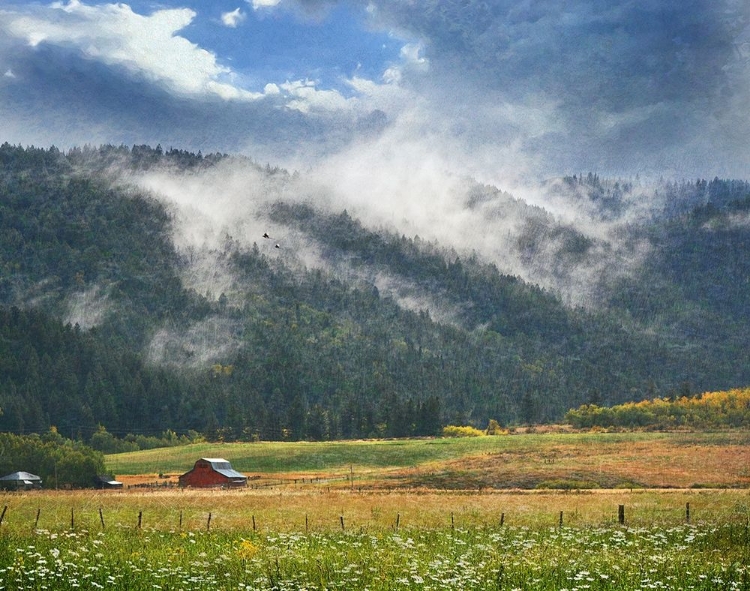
[{"x": 265, "y": 235}]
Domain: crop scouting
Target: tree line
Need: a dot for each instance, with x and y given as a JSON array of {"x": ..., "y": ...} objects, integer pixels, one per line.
[
  {"x": 710, "y": 410},
  {"x": 58, "y": 461}
]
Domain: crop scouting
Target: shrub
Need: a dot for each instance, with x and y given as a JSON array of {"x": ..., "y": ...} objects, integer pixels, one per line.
[
  {"x": 461, "y": 431},
  {"x": 494, "y": 428}
]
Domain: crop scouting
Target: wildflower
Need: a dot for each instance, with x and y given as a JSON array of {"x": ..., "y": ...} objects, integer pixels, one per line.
[{"x": 247, "y": 550}]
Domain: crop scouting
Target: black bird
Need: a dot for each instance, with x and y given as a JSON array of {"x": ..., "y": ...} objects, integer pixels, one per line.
[{"x": 265, "y": 235}]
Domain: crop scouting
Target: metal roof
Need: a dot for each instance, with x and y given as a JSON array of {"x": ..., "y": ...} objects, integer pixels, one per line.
[
  {"x": 224, "y": 468},
  {"x": 21, "y": 476}
]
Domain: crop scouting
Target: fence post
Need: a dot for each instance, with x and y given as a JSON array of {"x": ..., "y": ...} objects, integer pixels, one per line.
[
  {"x": 621, "y": 514},
  {"x": 140, "y": 517},
  {"x": 306, "y": 523},
  {"x": 208, "y": 524},
  {"x": 398, "y": 520},
  {"x": 561, "y": 518},
  {"x": 36, "y": 521},
  {"x": 180, "y": 519},
  {"x": 502, "y": 519},
  {"x": 72, "y": 519},
  {"x": 687, "y": 512},
  {"x": 101, "y": 517},
  {"x": 341, "y": 518},
  {"x": 453, "y": 523},
  {"x": 253, "y": 522}
]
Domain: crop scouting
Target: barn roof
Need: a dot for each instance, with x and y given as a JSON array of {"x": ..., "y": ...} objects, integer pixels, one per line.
[
  {"x": 21, "y": 476},
  {"x": 223, "y": 467}
]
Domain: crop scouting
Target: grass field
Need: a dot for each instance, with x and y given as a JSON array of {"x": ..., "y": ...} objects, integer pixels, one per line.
[
  {"x": 402, "y": 522},
  {"x": 555, "y": 460},
  {"x": 270, "y": 540}
]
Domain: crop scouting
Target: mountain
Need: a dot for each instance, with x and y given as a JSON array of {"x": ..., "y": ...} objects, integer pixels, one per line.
[{"x": 137, "y": 292}]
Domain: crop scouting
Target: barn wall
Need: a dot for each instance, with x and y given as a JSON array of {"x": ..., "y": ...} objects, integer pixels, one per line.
[{"x": 202, "y": 475}]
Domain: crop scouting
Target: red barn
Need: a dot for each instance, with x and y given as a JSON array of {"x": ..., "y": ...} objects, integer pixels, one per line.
[{"x": 213, "y": 472}]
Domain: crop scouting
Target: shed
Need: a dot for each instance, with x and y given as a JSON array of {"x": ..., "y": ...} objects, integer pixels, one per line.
[
  {"x": 20, "y": 481},
  {"x": 107, "y": 482},
  {"x": 213, "y": 472}
]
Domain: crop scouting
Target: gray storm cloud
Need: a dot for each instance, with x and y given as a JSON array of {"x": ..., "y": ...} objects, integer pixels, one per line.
[{"x": 649, "y": 86}]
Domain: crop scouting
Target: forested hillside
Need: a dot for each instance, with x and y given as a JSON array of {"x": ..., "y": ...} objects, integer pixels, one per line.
[{"x": 104, "y": 323}]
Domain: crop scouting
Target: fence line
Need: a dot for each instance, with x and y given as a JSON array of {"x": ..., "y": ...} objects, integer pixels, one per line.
[{"x": 453, "y": 519}]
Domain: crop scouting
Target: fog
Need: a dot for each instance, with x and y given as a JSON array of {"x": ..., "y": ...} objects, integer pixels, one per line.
[
  {"x": 406, "y": 186},
  {"x": 201, "y": 344},
  {"x": 87, "y": 308}
]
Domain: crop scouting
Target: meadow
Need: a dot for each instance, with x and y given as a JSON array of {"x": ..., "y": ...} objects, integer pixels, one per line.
[
  {"x": 526, "y": 460},
  {"x": 266, "y": 539},
  {"x": 390, "y": 526}
]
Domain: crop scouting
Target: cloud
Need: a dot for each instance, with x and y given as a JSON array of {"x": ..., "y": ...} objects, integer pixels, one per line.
[
  {"x": 412, "y": 61},
  {"x": 508, "y": 88},
  {"x": 234, "y": 18},
  {"x": 260, "y": 4},
  {"x": 649, "y": 87},
  {"x": 305, "y": 97},
  {"x": 145, "y": 46},
  {"x": 105, "y": 74},
  {"x": 637, "y": 86}
]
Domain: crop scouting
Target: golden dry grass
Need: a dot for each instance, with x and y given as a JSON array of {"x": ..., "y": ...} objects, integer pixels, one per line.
[
  {"x": 424, "y": 483},
  {"x": 651, "y": 463},
  {"x": 316, "y": 510}
]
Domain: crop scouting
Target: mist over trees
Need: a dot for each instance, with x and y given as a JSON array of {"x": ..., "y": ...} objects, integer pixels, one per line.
[{"x": 100, "y": 333}]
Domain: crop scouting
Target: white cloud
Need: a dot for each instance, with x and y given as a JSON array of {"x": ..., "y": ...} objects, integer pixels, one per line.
[
  {"x": 151, "y": 47},
  {"x": 260, "y": 4},
  {"x": 234, "y": 18},
  {"x": 411, "y": 54},
  {"x": 9, "y": 73},
  {"x": 389, "y": 97},
  {"x": 411, "y": 61},
  {"x": 305, "y": 97},
  {"x": 271, "y": 89},
  {"x": 144, "y": 45}
]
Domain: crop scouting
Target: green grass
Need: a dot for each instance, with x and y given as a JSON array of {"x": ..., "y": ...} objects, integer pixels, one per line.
[
  {"x": 278, "y": 457},
  {"x": 523, "y": 460},
  {"x": 443, "y": 540},
  {"x": 702, "y": 556}
]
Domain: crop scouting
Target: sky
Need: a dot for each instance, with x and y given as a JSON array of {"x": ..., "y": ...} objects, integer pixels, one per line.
[{"x": 499, "y": 90}]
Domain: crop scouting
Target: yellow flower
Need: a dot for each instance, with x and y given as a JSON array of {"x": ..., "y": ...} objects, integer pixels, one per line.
[{"x": 247, "y": 550}]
